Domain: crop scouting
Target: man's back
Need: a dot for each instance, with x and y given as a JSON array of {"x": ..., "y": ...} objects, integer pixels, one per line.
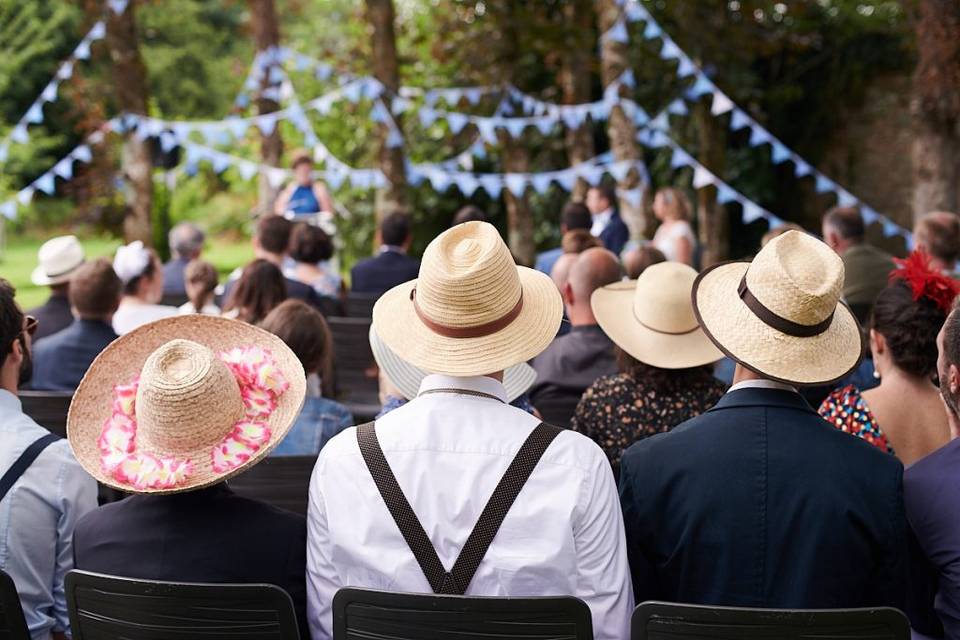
[
  {"x": 37, "y": 518},
  {"x": 759, "y": 502},
  {"x": 173, "y": 277},
  {"x": 573, "y": 362},
  {"x": 448, "y": 449},
  {"x": 61, "y": 360},
  {"x": 54, "y": 315},
  {"x": 381, "y": 273}
]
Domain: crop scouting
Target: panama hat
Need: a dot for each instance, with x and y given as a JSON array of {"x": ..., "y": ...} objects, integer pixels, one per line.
[
  {"x": 472, "y": 310},
  {"x": 407, "y": 378},
  {"x": 58, "y": 258},
  {"x": 652, "y": 318},
  {"x": 184, "y": 403},
  {"x": 781, "y": 316}
]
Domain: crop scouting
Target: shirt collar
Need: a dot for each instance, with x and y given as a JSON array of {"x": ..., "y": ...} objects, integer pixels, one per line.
[
  {"x": 762, "y": 384},
  {"x": 10, "y": 402},
  {"x": 478, "y": 384},
  {"x": 392, "y": 247},
  {"x": 604, "y": 216}
]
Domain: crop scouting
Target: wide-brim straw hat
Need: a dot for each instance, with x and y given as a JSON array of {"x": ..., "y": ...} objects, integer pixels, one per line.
[
  {"x": 517, "y": 379},
  {"x": 58, "y": 258},
  {"x": 652, "y": 318},
  {"x": 472, "y": 310},
  {"x": 781, "y": 316},
  {"x": 204, "y": 397}
]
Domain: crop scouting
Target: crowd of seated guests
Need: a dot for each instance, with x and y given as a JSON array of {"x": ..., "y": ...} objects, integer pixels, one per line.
[{"x": 733, "y": 492}]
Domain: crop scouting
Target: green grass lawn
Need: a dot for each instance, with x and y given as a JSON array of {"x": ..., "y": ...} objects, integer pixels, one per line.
[{"x": 19, "y": 258}]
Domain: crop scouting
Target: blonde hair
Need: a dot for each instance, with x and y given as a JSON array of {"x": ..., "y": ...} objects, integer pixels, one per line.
[
  {"x": 677, "y": 203},
  {"x": 204, "y": 275}
]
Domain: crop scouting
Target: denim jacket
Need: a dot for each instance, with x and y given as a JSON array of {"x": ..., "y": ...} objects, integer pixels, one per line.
[{"x": 319, "y": 420}]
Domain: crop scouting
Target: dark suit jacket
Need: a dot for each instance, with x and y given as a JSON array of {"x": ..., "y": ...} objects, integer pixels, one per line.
[
  {"x": 173, "y": 283},
  {"x": 54, "y": 315},
  {"x": 616, "y": 234},
  {"x": 61, "y": 360},
  {"x": 572, "y": 363},
  {"x": 209, "y": 535},
  {"x": 379, "y": 274},
  {"x": 761, "y": 503}
]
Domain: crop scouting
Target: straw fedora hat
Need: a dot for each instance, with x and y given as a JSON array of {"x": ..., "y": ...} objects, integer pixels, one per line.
[
  {"x": 407, "y": 378},
  {"x": 781, "y": 316},
  {"x": 58, "y": 258},
  {"x": 472, "y": 311},
  {"x": 184, "y": 403},
  {"x": 660, "y": 328}
]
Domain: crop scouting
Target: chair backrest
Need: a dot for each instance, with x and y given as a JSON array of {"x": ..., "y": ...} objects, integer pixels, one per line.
[
  {"x": 283, "y": 481},
  {"x": 174, "y": 299},
  {"x": 13, "y": 626},
  {"x": 362, "y": 614},
  {"x": 48, "y": 408},
  {"x": 360, "y": 305},
  {"x": 111, "y": 608},
  {"x": 355, "y": 370},
  {"x": 667, "y": 621}
]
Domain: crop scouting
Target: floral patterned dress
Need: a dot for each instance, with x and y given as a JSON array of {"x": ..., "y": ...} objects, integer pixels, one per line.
[{"x": 847, "y": 410}]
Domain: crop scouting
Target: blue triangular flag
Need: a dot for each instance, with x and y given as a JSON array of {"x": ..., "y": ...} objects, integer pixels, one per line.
[
  {"x": 566, "y": 180},
  {"x": 25, "y": 195},
  {"x": 633, "y": 197},
  {"x": 466, "y": 183},
  {"x": 118, "y": 6},
  {"x": 487, "y": 129},
  {"x": 680, "y": 158},
  {"x": 247, "y": 169},
  {"x": 492, "y": 184},
  {"x": 394, "y": 139},
  {"x": 701, "y": 87},
  {"x": 686, "y": 67},
  {"x": 618, "y": 33},
  {"x": 779, "y": 153},
  {"x": 652, "y": 30},
  {"x": 65, "y": 70},
  {"x": 456, "y": 121},
  {"x": 628, "y": 79},
  {"x": 34, "y": 114},
  {"x": 50, "y": 91},
  {"x": 82, "y": 52},
  {"x": 427, "y": 117},
  {"x": 869, "y": 214},
  {"x": 473, "y": 95},
  {"x": 379, "y": 112},
  {"x": 19, "y": 133},
  {"x": 540, "y": 182},
  {"x": 64, "y": 168},
  {"x": 514, "y": 127},
  {"x": 725, "y": 193},
  {"x": 352, "y": 92},
  {"x": 678, "y": 108},
  {"x": 739, "y": 120},
  {"x": 440, "y": 181},
  {"x": 221, "y": 162},
  {"x": 267, "y": 123},
  {"x": 824, "y": 184},
  {"x": 619, "y": 170},
  {"x": 751, "y": 211},
  {"x": 545, "y": 125},
  {"x": 45, "y": 183},
  {"x": 801, "y": 166},
  {"x": 846, "y": 199},
  {"x": 758, "y": 136},
  {"x": 890, "y": 228},
  {"x": 9, "y": 209},
  {"x": 516, "y": 183},
  {"x": 4, "y": 152}
]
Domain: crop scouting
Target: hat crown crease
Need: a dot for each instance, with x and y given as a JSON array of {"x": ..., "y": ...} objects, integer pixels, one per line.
[{"x": 661, "y": 301}]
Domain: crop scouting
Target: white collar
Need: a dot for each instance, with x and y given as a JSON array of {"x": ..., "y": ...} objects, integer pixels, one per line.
[
  {"x": 762, "y": 384},
  {"x": 392, "y": 247},
  {"x": 478, "y": 384},
  {"x": 604, "y": 216}
]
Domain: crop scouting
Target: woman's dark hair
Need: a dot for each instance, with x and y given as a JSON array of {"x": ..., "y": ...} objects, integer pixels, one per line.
[
  {"x": 305, "y": 331},
  {"x": 469, "y": 213},
  {"x": 910, "y": 328},
  {"x": 310, "y": 244},
  {"x": 130, "y": 289},
  {"x": 11, "y": 319},
  {"x": 205, "y": 275},
  {"x": 261, "y": 288},
  {"x": 665, "y": 380}
]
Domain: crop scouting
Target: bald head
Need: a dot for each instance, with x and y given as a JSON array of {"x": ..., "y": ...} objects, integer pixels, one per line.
[
  {"x": 594, "y": 268},
  {"x": 561, "y": 269}
]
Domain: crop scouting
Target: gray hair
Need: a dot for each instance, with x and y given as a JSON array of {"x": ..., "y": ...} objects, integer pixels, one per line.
[{"x": 186, "y": 240}]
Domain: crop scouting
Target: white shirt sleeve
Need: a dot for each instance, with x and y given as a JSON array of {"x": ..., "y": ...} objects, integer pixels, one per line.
[{"x": 322, "y": 578}]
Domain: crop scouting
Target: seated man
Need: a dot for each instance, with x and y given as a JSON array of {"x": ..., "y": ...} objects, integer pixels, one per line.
[
  {"x": 58, "y": 257},
  {"x": 575, "y": 360},
  {"x": 186, "y": 244},
  {"x": 61, "y": 360},
  {"x": 938, "y": 234},
  {"x": 391, "y": 266},
  {"x": 575, "y": 215},
  {"x": 42, "y": 505},
  {"x": 759, "y": 502},
  {"x": 471, "y": 314}
]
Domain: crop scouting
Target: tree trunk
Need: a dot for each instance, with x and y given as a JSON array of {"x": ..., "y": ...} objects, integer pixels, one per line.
[
  {"x": 516, "y": 159},
  {"x": 393, "y": 198},
  {"x": 130, "y": 81},
  {"x": 266, "y": 36},
  {"x": 936, "y": 107},
  {"x": 712, "y": 224},
  {"x": 613, "y": 62},
  {"x": 575, "y": 81}
]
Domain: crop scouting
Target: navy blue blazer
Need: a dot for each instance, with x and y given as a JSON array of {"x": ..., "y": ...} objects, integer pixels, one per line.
[
  {"x": 616, "y": 234},
  {"x": 760, "y": 503},
  {"x": 61, "y": 360},
  {"x": 379, "y": 274},
  {"x": 173, "y": 277},
  {"x": 54, "y": 315}
]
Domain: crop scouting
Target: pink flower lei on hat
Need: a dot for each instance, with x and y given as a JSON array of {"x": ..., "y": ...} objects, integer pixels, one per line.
[{"x": 261, "y": 384}]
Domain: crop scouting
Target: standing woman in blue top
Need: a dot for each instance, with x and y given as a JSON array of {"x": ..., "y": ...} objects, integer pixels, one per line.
[{"x": 304, "y": 196}]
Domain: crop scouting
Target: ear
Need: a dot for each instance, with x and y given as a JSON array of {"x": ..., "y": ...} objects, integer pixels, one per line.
[
  {"x": 878, "y": 344},
  {"x": 567, "y": 292},
  {"x": 16, "y": 353},
  {"x": 953, "y": 375}
]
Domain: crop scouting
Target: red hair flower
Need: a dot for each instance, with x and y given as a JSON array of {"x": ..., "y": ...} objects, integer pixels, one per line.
[{"x": 925, "y": 281}]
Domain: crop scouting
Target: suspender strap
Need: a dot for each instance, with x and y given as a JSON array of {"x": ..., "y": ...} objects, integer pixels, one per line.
[
  {"x": 23, "y": 463},
  {"x": 458, "y": 579}
]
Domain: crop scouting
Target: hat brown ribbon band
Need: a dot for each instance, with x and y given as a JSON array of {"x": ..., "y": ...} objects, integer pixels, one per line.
[
  {"x": 475, "y": 331},
  {"x": 781, "y": 324},
  {"x": 661, "y": 331}
]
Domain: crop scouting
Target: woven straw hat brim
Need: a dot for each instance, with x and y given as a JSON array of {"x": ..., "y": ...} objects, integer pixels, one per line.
[
  {"x": 123, "y": 360},
  {"x": 40, "y": 278},
  {"x": 613, "y": 307},
  {"x": 407, "y": 378},
  {"x": 397, "y": 324},
  {"x": 819, "y": 360}
]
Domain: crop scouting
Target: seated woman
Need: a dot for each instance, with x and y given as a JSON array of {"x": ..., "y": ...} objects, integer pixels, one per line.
[
  {"x": 141, "y": 273},
  {"x": 311, "y": 249},
  {"x": 305, "y": 331},
  {"x": 664, "y": 359},
  {"x": 259, "y": 290},
  {"x": 904, "y": 415},
  {"x": 200, "y": 280}
]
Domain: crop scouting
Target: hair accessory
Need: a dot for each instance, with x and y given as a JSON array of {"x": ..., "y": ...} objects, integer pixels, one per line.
[
  {"x": 925, "y": 281},
  {"x": 131, "y": 261}
]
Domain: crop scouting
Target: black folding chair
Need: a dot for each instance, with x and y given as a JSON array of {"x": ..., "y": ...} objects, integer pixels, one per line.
[
  {"x": 48, "y": 409},
  {"x": 359, "y": 614},
  {"x": 666, "y": 621},
  {"x": 13, "y": 626},
  {"x": 360, "y": 305},
  {"x": 355, "y": 371},
  {"x": 111, "y": 608},
  {"x": 283, "y": 481}
]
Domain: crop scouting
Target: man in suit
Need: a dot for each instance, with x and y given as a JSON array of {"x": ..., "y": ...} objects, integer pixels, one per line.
[
  {"x": 58, "y": 258},
  {"x": 186, "y": 243},
  {"x": 61, "y": 360},
  {"x": 759, "y": 502},
  {"x": 391, "y": 266},
  {"x": 607, "y": 224},
  {"x": 575, "y": 215}
]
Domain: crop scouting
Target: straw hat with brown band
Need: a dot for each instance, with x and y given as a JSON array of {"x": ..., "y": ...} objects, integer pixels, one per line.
[
  {"x": 652, "y": 318},
  {"x": 472, "y": 311},
  {"x": 184, "y": 403},
  {"x": 781, "y": 316}
]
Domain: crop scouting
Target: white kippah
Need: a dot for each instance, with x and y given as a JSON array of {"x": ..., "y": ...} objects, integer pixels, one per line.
[{"x": 131, "y": 261}]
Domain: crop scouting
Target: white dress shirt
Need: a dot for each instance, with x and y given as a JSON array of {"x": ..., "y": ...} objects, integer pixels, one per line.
[
  {"x": 600, "y": 221},
  {"x": 448, "y": 450},
  {"x": 762, "y": 384}
]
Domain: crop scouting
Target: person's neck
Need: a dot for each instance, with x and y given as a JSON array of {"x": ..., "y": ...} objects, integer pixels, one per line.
[
  {"x": 742, "y": 374},
  {"x": 942, "y": 266},
  {"x": 275, "y": 258},
  {"x": 580, "y": 317},
  {"x": 134, "y": 300},
  {"x": 393, "y": 247},
  {"x": 10, "y": 379},
  {"x": 845, "y": 245},
  {"x": 895, "y": 378},
  {"x": 95, "y": 319}
]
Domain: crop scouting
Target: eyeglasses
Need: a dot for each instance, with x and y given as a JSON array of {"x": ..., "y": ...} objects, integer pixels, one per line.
[{"x": 30, "y": 325}]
